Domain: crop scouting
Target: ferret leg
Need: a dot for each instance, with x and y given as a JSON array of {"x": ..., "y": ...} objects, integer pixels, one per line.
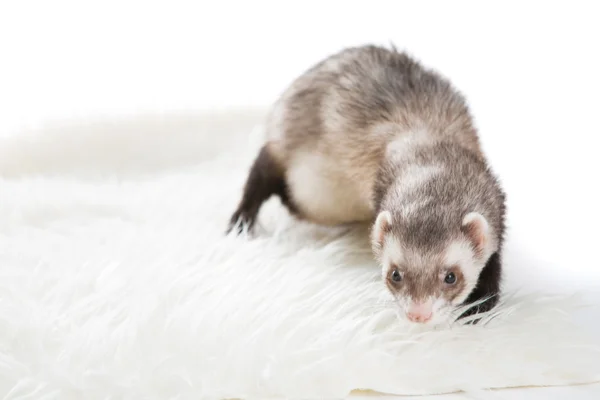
[
  {"x": 488, "y": 287},
  {"x": 264, "y": 180}
]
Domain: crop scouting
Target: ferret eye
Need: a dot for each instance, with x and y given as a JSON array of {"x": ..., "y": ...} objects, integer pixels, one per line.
[
  {"x": 450, "y": 278},
  {"x": 396, "y": 277}
]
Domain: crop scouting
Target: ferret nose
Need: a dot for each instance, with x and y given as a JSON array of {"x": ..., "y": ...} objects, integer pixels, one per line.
[
  {"x": 419, "y": 312},
  {"x": 416, "y": 317}
]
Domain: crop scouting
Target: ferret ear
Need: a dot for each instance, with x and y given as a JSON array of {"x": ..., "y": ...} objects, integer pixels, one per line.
[
  {"x": 383, "y": 224},
  {"x": 476, "y": 227}
]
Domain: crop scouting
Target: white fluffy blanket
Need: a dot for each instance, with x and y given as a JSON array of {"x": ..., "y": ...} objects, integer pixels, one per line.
[{"x": 116, "y": 281}]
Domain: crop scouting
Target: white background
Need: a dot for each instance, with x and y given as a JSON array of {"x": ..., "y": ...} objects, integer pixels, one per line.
[{"x": 530, "y": 71}]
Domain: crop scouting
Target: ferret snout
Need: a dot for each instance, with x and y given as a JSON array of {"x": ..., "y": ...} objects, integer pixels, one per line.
[{"x": 420, "y": 312}]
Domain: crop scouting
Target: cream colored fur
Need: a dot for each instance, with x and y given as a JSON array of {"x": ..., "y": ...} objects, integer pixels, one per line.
[
  {"x": 326, "y": 191},
  {"x": 460, "y": 253}
]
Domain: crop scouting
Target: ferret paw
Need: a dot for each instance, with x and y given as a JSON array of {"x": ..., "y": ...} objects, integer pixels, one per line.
[{"x": 239, "y": 222}]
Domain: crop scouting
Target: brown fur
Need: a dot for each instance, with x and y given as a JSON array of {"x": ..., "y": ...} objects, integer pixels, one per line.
[
  {"x": 350, "y": 106},
  {"x": 265, "y": 179},
  {"x": 357, "y": 134},
  {"x": 412, "y": 285}
]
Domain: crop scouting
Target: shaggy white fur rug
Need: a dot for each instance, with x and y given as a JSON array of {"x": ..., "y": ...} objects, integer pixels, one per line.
[{"x": 116, "y": 281}]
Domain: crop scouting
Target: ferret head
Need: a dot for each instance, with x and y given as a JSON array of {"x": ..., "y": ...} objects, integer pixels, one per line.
[{"x": 431, "y": 264}]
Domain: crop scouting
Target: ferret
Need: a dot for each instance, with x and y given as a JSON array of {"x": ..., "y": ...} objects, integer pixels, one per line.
[{"x": 370, "y": 135}]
